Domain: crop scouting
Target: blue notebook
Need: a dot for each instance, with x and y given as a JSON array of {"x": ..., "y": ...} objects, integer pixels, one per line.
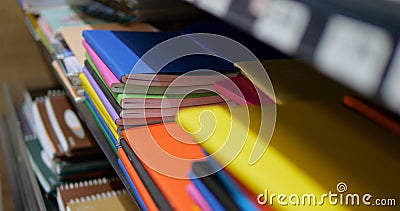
[
  {"x": 230, "y": 185},
  {"x": 212, "y": 201},
  {"x": 234, "y": 190},
  {"x": 121, "y": 50},
  {"x": 135, "y": 191}
]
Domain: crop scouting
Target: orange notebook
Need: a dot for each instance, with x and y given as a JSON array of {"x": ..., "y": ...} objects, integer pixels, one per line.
[
  {"x": 144, "y": 194},
  {"x": 167, "y": 152},
  {"x": 372, "y": 112}
]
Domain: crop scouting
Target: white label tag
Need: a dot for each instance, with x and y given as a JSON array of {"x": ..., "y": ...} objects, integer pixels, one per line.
[
  {"x": 283, "y": 24},
  {"x": 354, "y": 53},
  {"x": 216, "y": 7},
  {"x": 391, "y": 86}
]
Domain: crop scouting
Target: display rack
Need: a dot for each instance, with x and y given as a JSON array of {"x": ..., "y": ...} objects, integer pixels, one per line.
[{"x": 355, "y": 42}]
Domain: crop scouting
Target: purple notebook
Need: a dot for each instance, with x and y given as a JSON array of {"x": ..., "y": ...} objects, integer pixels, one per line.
[
  {"x": 198, "y": 198},
  {"x": 101, "y": 95}
]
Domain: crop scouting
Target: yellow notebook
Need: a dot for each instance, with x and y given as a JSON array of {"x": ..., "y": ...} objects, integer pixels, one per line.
[
  {"x": 99, "y": 105},
  {"x": 315, "y": 146},
  {"x": 293, "y": 81},
  {"x": 113, "y": 200}
]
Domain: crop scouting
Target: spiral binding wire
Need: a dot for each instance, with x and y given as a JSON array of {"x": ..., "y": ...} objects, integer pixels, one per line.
[
  {"x": 56, "y": 92},
  {"x": 88, "y": 183},
  {"x": 99, "y": 196}
]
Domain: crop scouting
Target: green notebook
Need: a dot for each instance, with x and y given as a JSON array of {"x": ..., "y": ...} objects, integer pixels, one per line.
[{"x": 41, "y": 165}]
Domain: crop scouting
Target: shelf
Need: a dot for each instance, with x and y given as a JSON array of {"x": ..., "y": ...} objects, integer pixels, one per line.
[
  {"x": 24, "y": 186},
  {"x": 91, "y": 124},
  {"x": 355, "y": 42}
]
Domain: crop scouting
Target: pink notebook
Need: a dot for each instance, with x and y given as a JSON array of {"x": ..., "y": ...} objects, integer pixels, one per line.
[
  {"x": 105, "y": 72},
  {"x": 242, "y": 91},
  {"x": 198, "y": 198}
]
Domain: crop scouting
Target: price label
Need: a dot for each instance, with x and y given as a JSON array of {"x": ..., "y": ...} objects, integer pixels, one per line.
[
  {"x": 283, "y": 24},
  {"x": 391, "y": 85},
  {"x": 354, "y": 53},
  {"x": 216, "y": 7}
]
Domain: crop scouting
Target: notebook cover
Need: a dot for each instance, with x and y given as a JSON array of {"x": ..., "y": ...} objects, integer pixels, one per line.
[
  {"x": 77, "y": 135},
  {"x": 54, "y": 142},
  {"x": 138, "y": 198},
  {"x": 108, "y": 76},
  {"x": 24, "y": 124},
  {"x": 123, "y": 50},
  {"x": 240, "y": 90},
  {"x": 98, "y": 104},
  {"x": 47, "y": 178},
  {"x": 106, "y": 201},
  {"x": 98, "y": 116},
  {"x": 205, "y": 174},
  {"x": 205, "y": 192},
  {"x": 158, "y": 147},
  {"x": 198, "y": 198},
  {"x": 103, "y": 86},
  {"x": 147, "y": 180},
  {"x": 101, "y": 95},
  {"x": 219, "y": 27},
  {"x": 72, "y": 190},
  {"x": 107, "y": 134},
  {"x": 142, "y": 189},
  {"x": 66, "y": 169}
]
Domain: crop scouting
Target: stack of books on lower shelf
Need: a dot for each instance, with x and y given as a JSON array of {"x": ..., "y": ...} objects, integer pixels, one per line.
[{"x": 69, "y": 165}]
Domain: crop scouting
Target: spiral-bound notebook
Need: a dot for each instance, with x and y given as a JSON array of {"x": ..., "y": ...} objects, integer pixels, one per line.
[
  {"x": 76, "y": 190},
  {"x": 113, "y": 200}
]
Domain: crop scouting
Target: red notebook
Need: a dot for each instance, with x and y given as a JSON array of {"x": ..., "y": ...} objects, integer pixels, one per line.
[
  {"x": 242, "y": 91},
  {"x": 144, "y": 194},
  {"x": 167, "y": 152}
]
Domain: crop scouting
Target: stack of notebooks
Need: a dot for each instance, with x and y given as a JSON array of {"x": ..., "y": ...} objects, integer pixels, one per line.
[
  {"x": 135, "y": 108},
  {"x": 122, "y": 96},
  {"x": 59, "y": 146}
]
